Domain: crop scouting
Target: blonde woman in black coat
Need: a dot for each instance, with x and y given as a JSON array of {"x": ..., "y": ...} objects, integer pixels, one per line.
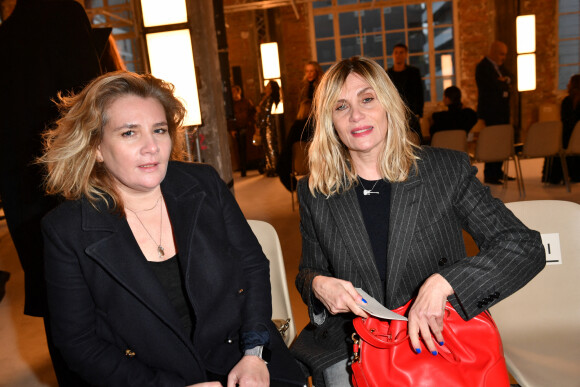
[{"x": 154, "y": 276}]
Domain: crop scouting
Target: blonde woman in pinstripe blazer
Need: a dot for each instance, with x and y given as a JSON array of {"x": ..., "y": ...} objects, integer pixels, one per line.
[{"x": 381, "y": 214}]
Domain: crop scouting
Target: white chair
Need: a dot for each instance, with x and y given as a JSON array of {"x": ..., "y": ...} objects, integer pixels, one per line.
[
  {"x": 455, "y": 139},
  {"x": 496, "y": 143},
  {"x": 544, "y": 139},
  {"x": 281, "y": 308},
  {"x": 540, "y": 323},
  {"x": 574, "y": 142}
]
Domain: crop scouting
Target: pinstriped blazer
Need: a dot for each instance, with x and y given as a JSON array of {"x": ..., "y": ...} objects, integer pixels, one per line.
[{"x": 427, "y": 215}]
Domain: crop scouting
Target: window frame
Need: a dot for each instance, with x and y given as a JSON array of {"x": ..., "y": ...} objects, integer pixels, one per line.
[
  {"x": 433, "y": 77},
  {"x": 559, "y": 40}
]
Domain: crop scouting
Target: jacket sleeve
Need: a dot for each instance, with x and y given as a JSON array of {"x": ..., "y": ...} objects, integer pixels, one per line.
[
  {"x": 510, "y": 253},
  {"x": 313, "y": 261},
  {"x": 256, "y": 267},
  {"x": 75, "y": 324}
]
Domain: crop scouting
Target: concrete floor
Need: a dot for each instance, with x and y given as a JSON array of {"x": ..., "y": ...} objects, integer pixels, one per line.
[{"x": 24, "y": 359}]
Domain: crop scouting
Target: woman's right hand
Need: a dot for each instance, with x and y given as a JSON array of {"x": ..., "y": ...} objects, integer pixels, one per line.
[
  {"x": 206, "y": 384},
  {"x": 338, "y": 296}
]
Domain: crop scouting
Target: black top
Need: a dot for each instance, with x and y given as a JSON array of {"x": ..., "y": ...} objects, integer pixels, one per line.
[
  {"x": 454, "y": 118},
  {"x": 375, "y": 209},
  {"x": 168, "y": 273},
  {"x": 570, "y": 116}
]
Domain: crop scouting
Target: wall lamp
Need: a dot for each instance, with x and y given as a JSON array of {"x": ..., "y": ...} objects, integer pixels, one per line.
[
  {"x": 271, "y": 69},
  {"x": 526, "y": 50},
  {"x": 170, "y": 53}
]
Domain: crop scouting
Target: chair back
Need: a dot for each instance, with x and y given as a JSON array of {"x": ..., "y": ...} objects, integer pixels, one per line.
[
  {"x": 495, "y": 143},
  {"x": 300, "y": 158},
  {"x": 549, "y": 112},
  {"x": 281, "y": 307},
  {"x": 450, "y": 139},
  {"x": 543, "y": 139},
  {"x": 540, "y": 323},
  {"x": 574, "y": 143}
]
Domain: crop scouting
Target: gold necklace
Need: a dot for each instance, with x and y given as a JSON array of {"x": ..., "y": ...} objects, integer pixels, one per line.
[{"x": 160, "y": 249}]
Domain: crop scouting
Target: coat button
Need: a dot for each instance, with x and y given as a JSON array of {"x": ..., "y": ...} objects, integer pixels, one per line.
[
  {"x": 496, "y": 294},
  {"x": 480, "y": 304},
  {"x": 129, "y": 353},
  {"x": 229, "y": 341},
  {"x": 442, "y": 261}
]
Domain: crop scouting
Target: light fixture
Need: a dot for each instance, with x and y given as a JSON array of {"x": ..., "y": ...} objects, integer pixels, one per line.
[
  {"x": 526, "y": 34},
  {"x": 526, "y": 48},
  {"x": 447, "y": 70},
  {"x": 170, "y": 52},
  {"x": 271, "y": 70},
  {"x": 270, "y": 61},
  {"x": 526, "y": 72}
]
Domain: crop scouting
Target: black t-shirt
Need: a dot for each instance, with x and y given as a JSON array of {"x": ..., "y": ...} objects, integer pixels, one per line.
[
  {"x": 376, "y": 208},
  {"x": 168, "y": 273}
]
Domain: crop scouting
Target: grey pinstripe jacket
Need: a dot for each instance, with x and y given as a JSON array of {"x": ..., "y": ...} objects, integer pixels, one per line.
[{"x": 428, "y": 213}]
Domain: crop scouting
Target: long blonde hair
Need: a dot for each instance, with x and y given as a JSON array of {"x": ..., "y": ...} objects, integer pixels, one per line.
[
  {"x": 70, "y": 147},
  {"x": 331, "y": 168}
]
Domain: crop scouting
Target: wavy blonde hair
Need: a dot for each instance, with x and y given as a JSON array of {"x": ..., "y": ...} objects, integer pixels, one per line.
[
  {"x": 331, "y": 168},
  {"x": 70, "y": 146}
]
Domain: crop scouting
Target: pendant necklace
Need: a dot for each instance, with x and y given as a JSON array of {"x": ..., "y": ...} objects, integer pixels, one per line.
[
  {"x": 160, "y": 249},
  {"x": 367, "y": 192}
]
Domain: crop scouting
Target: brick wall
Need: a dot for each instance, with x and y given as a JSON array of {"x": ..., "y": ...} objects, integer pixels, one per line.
[
  {"x": 293, "y": 37},
  {"x": 475, "y": 31}
]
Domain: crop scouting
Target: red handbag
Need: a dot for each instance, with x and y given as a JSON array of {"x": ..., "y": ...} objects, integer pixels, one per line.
[{"x": 471, "y": 356}]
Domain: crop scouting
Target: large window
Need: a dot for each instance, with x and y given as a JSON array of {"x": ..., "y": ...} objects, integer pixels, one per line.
[
  {"x": 568, "y": 41},
  {"x": 118, "y": 14},
  {"x": 344, "y": 28}
]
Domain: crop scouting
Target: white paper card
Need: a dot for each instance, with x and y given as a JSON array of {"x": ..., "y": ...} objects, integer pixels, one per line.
[
  {"x": 375, "y": 309},
  {"x": 551, "y": 244}
]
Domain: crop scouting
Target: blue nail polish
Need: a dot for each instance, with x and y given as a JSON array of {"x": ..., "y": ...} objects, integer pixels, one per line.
[
  {"x": 434, "y": 353},
  {"x": 441, "y": 342},
  {"x": 418, "y": 350},
  {"x": 363, "y": 300}
]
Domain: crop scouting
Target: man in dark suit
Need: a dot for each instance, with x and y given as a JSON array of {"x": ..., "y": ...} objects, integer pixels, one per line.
[
  {"x": 407, "y": 80},
  {"x": 493, "y": 106},
  {"x": 47, "y": 47}
]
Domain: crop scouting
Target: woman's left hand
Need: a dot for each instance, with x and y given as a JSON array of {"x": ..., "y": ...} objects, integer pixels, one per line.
[
  {"x": 250, "y": 371},
  {"x": 427, "y": 312}
]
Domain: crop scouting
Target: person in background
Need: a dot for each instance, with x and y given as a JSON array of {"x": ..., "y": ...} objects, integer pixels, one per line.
[
  {"x": 266, "y": 125},
  {"x": 244, "y": 113},
  {"x": 456, "y": 116},
  {"x": 312, "y": 75},
  {"x": 493, "y": 104},
  {"x": 47, "y": 47},
  {"x": 407, "y": 80},
  {"x": 570, "y": 115},
  {"x": 301, "y": 130},
  {"x": 154, "y": 276},
  {"x": 380, "y": 213}
]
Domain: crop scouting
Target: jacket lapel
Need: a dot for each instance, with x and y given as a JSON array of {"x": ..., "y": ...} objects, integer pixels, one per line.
[
  {"x": 347, "y": 215},
  {"x": 405, "y": 203},
  {"x": 119, "y": 253},
  {"x": 184, "y": 197}
]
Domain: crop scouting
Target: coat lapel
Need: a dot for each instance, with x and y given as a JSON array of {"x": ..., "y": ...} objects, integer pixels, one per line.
[
  {"x": 405, "y": 203},
  {"x": 119, "y": 253},
  {"x": 347, "y": 215}
]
